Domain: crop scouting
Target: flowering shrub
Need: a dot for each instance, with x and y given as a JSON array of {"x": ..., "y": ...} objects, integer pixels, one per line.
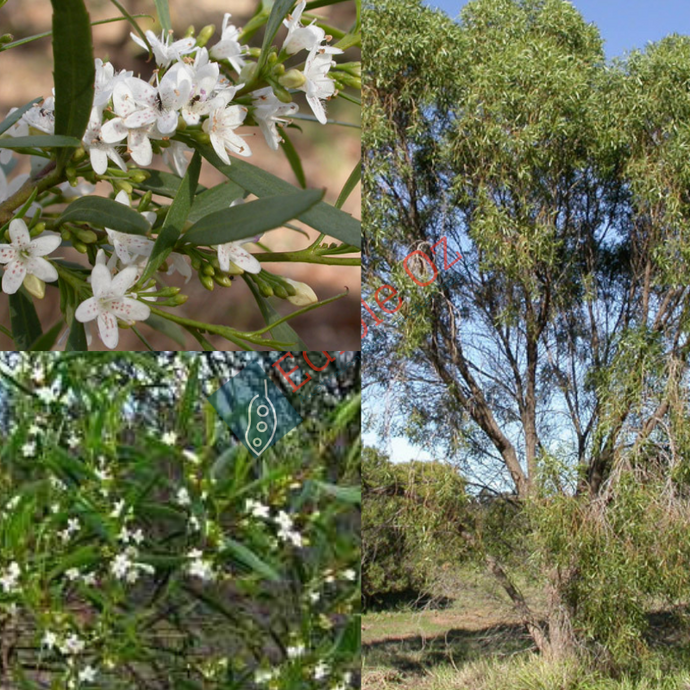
[
  {"x": 105, "y": 124},
  {"x": 140, "y": 547}
]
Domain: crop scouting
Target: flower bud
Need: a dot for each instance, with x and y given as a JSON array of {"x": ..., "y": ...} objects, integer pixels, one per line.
[
  {"x": 292, "y": 79},
  {"x": 272, "y": 58},
  {"x": 139, "y": 176},
  {"x": 205, "y": 35},
  {"x": 79, "y": 154},
  {"x": 254, "y": 52},
  {"x": 206, "y": 281},
  {"x": 248, "y": 73},
  {"x": 223, "y": 280},
  {"x": 65, "y": 234},
  {"x": 208, "y": 270},
  {"x": 279, "y": 70},
  {"x": 190, "y": 31},
  {"x": 280, "y": 291},
  {"x": 348, "y": 80},
  {"x": 6, "y": 38},
  {"x": 35, "y": 286},
  {"x": 265, "y": 289},
  {"x": 304, "y": 295},
  {"x": 145, "y": 201},
  {"x": 196, "y": 263},
  {"x": 169, "y": 292},
  {"x": 177, "y": 300},
  {"x": 203, "y": 138},
  {"x": 124, "y": 185},
  {"x": 37, "y": 229},
  {"x": 86, "y": 236},
  {"x": 80, "y": 246},
  {"x": 353, "y": 68}
]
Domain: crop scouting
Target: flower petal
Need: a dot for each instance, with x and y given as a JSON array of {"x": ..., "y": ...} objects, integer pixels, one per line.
[
  {"x": 13, "y": 277},
  {"x": 88, "y": 310},
  {"x": 44, "y": 244},
  {"x": 107, "y": 329},
  {"x": 140, "y": 147},
  {"x": 167, "y": 122},
  {"x": 100, "y": 280},
  {"x": 130, "y": 310},
  {"x": 140, "y": 118},
  {"x": 99, "y": 160},
  {"x": 7, "y": 253},
  {"x": 219, "y": 148},
  {"x": 42, "y": 269},
  {"x": 124, "y": 103},
  {"x": 243, "y": 259},
  {"x": 19, "y": 233},
  {"x": 123, "y": 280},
  {"x": 113, "y": 130}
]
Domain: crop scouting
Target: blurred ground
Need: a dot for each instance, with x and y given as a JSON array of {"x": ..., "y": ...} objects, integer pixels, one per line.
[{"x": 329, "y": 153}]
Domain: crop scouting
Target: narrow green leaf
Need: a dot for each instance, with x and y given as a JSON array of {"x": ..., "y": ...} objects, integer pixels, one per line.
[
  {"x": 189, "y": 400},
  {"x": 350, "y": 184},
  {"x": 11, "y": 119},
  {"x": 164, "y": 183},
  {"x": 294, "y": 160},
  {"x": 105, "y": 213},
  {"x": 282, "y": 331},
  {"x": 47, "y": 340},
  {"x": 275, "y": 19},
  {"x": 253, "y": 218},
  {"x": 76, "y": 342},
  {"x": 174, "y": 219},
  {"x": 40, "y": 141},
  {"x": 323, "y": 217},
  {"x": 85, "y": 556},
  {"x": 163, "y": 14},
  {"x": 215, "y": 199},
  {"x": 26, "y": 328},
  {"x": 74, "y": 70},
  {"x": 248, "y": 558},
  {"x": 347, "y": 494},
  {"x": 172, "y": 330}
]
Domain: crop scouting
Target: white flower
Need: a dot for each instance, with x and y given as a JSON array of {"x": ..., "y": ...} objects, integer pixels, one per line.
[
  {"x": 10, "y": 578},
  {"x": 204, "y": 80},
  {"x": 321, "y": 670},
  {"x": 29, "y": 449},
  {"x": 174, "y": 156},
  {"x": 105, "y": 82},
  {"x": 127, "y": 245},
  {"x": 199, "y": 567},
  {"x": 72, "y": 574},
  {"x": 220, "y": 126},
  {"x": 269, "y": 113},
  {"x": 99, "y": 150},
  {"x": 296, "y": 651},
  {"x": 121, "y": 566},
  {"x": 256, "y": 508},
  {"x": 305, "y": 295},
  {"x": 318, "y": 84},
  {"x": 109, "y": 303},
  {"x": 87, "y": 674},
  {"x": 228, "y": 47},
  {"x": 34, "y": 430},
  {"x": 284, "y": 521},
  {"x": 41, "y": 117},
  {"x": 19, "y": 129},
  {"x": 24, "y": 256},
  {"x": 183, "y": 497},
  {"x": 301, "y": 37},
  {"x": 73, "y": 441},
  {"x": 263, "y": 676},
  {"x": 169, "y": 438},
  {"x": 349, "y": 574},
  {"x": 138, "y": 536},
  {"x": 117, "y": 510},
  {"x": 164, "y": 51},
  {"x": 72, "y": 645},
  {"x": 49, "y": 639},
  {"x": 233, "y": 251},
  {"x": 192, "y": 457}
]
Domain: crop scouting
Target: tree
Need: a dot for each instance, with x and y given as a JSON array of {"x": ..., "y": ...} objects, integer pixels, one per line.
[{"x": 551, "y": 358}]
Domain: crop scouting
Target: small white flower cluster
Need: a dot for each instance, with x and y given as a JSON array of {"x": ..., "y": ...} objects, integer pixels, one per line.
[
  {"x": 199, "y": 567},
  {"x": 125, "y": 566},
  {"x": 71, "y": 646},
  {"x": 73, "y": 527},
  {"x": 286, "y": 525},
  {"x": 9, "y": 580},
  {"x": 187, "y": 87}
]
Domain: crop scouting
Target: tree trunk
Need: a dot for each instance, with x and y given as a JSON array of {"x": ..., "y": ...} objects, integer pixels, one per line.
[{"x": 562, "y": 642}]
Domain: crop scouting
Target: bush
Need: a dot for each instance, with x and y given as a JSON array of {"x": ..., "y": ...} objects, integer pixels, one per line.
[{"x": 141, "y": 547}]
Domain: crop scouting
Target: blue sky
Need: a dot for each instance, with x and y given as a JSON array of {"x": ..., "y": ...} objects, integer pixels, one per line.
[{"x": 624, "y": 24}]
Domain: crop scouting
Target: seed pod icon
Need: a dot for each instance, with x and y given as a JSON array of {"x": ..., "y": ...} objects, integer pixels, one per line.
[{"x": 262, "y": 422}]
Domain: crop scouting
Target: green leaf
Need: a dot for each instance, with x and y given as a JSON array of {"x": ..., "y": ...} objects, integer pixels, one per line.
[
  {"x": 294, "y": 160},
  {"x": 40, "y": 141},
  {"x": 105, "y": 213},
  {"x": 253, "y": 218},
  {"x": 350, "y": 184},
  {"x": 215, "y": 199},
  {"x": 189, "y": 400},
  {"x": 172, "y": 330},
  {"x": 74, "y": 70},
  {"x": 77, "y": 338},
  {"x": 322, "y": 217},
  {"x": 47, "y": 340},
  {"x": 11, "y": 119},
  {"x": 85, "y": 556},
  {"x": 163, "y": 183},
  {"x": 163, "y": 14},
  {"x": 347, "y": 494},
  {"x": 26, "y": 328},
  {"x": 174, "y": 219},
  {"x": 250, "y": 559},
  {"x": 282, "y": 331},
  {"x": 275, "y": 19}
]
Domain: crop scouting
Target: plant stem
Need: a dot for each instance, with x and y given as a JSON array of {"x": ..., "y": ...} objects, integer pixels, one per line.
[
  {"x": 44, "y": 178},
  {"x": 307, "y": 257}
]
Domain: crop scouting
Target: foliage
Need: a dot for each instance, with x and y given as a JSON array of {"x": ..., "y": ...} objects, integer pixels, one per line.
[
  {"x": 412, "y": 522},
  {"x": 140, "y": 546}
]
